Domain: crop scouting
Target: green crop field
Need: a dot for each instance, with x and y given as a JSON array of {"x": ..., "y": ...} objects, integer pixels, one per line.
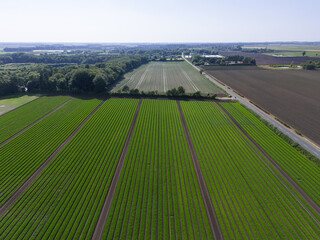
[
  {"x": 66, "y": 200},
  {"x": 186, "y": 173},
  {"x": 20, "y": 157},
  {"x": 17, "y": 120},
  {"x": 251, "y": 199},
  {"x": 13, "y": 102},
  {"x": 301, "y": 169},
  {"x": 163, "y": 76},
  {"x": 158, "y": 194}
]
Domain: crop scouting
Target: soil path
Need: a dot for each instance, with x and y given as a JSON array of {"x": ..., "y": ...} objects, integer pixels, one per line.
[
  {"x": 34, "y": 123},
  {"x": 214, "y": 223},
  {"x": 302, "y": 193},
  {"x": 22, "y": 189},
  {"x": 107, "y": 204}
]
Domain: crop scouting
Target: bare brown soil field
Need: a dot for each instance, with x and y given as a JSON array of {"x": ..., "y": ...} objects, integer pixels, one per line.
[
  {"x": 262, "y": 59},
  {"x": 291, "y": 95}
]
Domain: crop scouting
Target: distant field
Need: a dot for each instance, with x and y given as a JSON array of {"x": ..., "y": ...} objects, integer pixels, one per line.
[
  {"x": 295, "y": 47},
  {"x": 162, "y": 76},
  {"x": 291, "y": 95},
  {"x": 8, "y": 104},
  {"x": 296, "y": 54},
  {"x": 264, "y": 59}
]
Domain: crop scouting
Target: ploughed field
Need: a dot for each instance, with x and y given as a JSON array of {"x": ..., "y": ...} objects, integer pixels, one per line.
[
  {"x": 264, "y": 59},
  {"x": 291, "y": 95},
  {"x": 129, "y": 169},
  {"x": 163, "y": 76}
]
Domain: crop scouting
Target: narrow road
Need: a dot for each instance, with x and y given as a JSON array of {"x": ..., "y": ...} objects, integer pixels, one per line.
[
  {"x": 112, "y": 190},
  {"x": 293, "y": 183},
  {"x": 24, "y": 187},
  {"x": 34, "y": 123},
  {"x": 305, "y": 143},
  {"x": 213, "y": 219}
]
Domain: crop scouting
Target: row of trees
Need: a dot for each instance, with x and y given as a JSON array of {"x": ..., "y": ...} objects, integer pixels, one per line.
[
  {"x": 91, "y": 58},
  {"x": 174, "y": 92},
  {"x": 75, "y": 78},
  {"x": 234, "y": 59}
]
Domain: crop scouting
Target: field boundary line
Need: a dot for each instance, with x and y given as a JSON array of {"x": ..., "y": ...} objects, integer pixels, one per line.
[
  {"x": 34, "y": 123},
  {"x": 214, "y": 222},
  {"x": 31, "y": 179},
  {"x": 20, "y": 106},
  {"x": 102, "y": 221},
  {"x": 302, "y": 193}
]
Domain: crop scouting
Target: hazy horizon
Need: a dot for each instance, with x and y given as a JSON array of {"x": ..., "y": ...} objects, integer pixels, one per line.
[{"x": 104, "y": 21}]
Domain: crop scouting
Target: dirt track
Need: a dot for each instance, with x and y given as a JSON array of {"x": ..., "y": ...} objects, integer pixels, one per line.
[
  {"x": 302, "y": 193},
  {"x": 34, "y": 123},
  {"x": 291, "y": 95},
  {"x": 21, "y": 190},
  {"x": 214, "y": 223},
  {"x": 112, "y": 190}
]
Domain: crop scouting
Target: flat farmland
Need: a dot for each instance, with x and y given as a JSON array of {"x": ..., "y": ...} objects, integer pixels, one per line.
[
  {"x": 155, "y": 169},
  {"x": 66, "y": 200},
  {"x": 291, "y": 95},
  {"x": 163, "y": 76},
  {"x": 158, "y": 195},
  {"x": 251, "y": 198}
]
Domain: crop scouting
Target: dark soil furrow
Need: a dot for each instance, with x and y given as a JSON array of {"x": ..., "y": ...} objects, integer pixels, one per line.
[
  {"x": 303, "y": 194},
  {"x": 213, "y": 219},
  {"x": 107, "y": 204}
]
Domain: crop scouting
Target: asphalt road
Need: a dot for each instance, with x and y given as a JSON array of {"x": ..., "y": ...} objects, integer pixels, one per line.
[{"x": 306, "y": 144}]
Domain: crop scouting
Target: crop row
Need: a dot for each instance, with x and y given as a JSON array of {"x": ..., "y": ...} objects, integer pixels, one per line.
[
  {"x": 301, "y": 169},
  {"x": 23, "y": 155},
  {"x": 251, "y": 199},
  {"x": 158, "y": 195},
  {"x": 20, "y": 118},
  {"x": 66, "y": 200}
]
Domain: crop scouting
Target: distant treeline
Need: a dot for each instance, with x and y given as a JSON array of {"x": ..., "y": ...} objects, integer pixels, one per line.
[
  {"x": 235, "y": 59},
  {"x": 54, "y": 58},
  {"x": 75, "y": 78}
]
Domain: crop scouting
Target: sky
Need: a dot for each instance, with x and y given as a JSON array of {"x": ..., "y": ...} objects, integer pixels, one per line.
[{"x": 169, "y": 21}]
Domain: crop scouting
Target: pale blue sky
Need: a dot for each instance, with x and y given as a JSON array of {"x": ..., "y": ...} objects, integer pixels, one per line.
[{"x": 159, "y": 21}]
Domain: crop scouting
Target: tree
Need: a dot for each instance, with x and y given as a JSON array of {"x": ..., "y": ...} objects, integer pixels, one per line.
[
  {"x": 82, "y": 79},
  {"x": 181, "y": 90},
  {"x": 99, "y": 84},
  {"x": 303, "y": 53},
  {"x": 197, "y": 94},
  {"x": 134, "y": 91},
  {"x": 125, "y": 88}
]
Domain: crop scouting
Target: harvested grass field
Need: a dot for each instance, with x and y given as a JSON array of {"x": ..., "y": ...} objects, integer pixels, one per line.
[
  {"x": 163, "y": 76},
  {"x": 292, "y": 95},
  {"x": 8, "y": 104}
]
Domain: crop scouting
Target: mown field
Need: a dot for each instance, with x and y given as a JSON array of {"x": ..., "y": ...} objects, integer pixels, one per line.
[
  {"x": 8, "y": 104},
  {"x": 163, "y": 76},
  {"x": 250, "y": 175},
  {"x": 291, "y": 95}
]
